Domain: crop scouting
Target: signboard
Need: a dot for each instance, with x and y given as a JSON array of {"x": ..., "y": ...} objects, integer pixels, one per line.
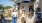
[{"x": 39, "y": 15}]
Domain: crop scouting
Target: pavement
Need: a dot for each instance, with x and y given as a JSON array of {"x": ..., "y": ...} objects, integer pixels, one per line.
[
  {"x": 28, "y": 20},
  {"x": 18, "y": 20}
]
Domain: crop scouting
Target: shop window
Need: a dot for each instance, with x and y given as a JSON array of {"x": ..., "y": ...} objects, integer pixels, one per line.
[{"x": 31, "y": 8}]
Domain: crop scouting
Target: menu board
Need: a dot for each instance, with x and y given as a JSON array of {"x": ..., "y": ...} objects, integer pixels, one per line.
[{"x": 39, "y": 16}]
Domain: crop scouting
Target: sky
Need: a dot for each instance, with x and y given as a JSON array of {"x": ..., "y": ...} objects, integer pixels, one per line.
[{"x": 6, "y": 3}]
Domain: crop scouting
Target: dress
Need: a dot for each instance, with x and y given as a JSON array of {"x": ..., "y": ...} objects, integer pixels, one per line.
[{"x": 23, "y": 20}]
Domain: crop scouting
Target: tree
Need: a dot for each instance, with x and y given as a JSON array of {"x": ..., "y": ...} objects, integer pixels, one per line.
[
  {"x": 7, "y": 7},
  {"x": 1, "y": 6}
]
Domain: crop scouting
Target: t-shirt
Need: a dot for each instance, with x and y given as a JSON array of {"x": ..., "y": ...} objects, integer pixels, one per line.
[{"x": 14, "y": 14}]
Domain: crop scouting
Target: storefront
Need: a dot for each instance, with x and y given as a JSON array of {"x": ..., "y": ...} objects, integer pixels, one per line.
[{"x": 29, "y": 7}]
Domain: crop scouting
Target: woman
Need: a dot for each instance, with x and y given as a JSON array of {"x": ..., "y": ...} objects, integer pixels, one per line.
[
  {"x": 14, "y": 16},
  {"x": 23, "y": 20}
]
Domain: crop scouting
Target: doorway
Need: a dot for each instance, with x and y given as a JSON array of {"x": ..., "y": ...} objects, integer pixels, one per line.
[{"x": 31, "y": 8}]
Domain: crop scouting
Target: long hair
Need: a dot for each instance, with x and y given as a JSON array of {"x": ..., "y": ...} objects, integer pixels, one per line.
[
  {"x": 13, "y": 9},
  {"x": 22, "y": 7}
]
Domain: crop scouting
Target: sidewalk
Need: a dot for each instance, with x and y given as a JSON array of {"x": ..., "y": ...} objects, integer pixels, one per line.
[
  {"x": 10, "y": 19},
  {"x": 18, "y": 20}
]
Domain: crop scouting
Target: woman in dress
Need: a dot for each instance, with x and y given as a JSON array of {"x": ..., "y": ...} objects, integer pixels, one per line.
[{"x": 23, "y": 20}]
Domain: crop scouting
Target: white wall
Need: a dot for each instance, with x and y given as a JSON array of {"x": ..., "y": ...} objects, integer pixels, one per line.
[
  {"x": 40, "y": 4},
  {"x": 26, "y": 6}
]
